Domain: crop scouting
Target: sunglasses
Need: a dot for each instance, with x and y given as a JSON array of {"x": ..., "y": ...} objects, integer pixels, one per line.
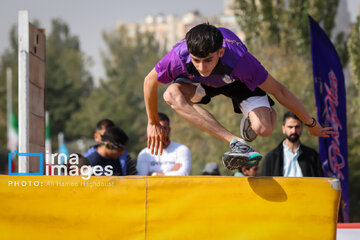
[{"x": 110, "y": 145}]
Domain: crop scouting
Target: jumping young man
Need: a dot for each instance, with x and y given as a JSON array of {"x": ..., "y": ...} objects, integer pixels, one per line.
[{"x": 211, "y": 61}]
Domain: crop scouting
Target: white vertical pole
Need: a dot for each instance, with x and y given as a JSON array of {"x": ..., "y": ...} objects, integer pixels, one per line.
[
  {"x": 23, "y": 59},
  {"x": 8, "y": 99}
]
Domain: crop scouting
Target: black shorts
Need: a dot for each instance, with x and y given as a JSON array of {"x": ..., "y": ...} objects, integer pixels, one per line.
[{"x": 237, "y": 91}]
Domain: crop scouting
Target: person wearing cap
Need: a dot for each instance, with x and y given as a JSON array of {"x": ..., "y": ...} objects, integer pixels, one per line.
[
  {"x": 110, "y": 149},
  {"x": 250, "y": 169},
  {"x": 211, "y": 168},
  {"x": 128, "y": 166},
  {"x": 291, "y": 158},
  {"x": 174, "y": 161}
]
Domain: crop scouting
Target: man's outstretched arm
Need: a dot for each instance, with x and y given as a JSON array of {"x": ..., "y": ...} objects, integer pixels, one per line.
[
  {"x": 155, "y": 132},
  {"x": 288, "y": 100}
]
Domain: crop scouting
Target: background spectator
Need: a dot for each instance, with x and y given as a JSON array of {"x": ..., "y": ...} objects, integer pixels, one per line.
[
  {"x": 128, "y": 166},
  {"x": 248, "y": 170},
  {"x": 291, "y": 158},
  {"x": 211, "y": 168},
  {"x": 174, "y": 161},
  {"x": 111, "y": 148}
]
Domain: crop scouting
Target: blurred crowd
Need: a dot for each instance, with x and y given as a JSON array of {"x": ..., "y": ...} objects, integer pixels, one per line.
[{"x": 109, "y": 156}]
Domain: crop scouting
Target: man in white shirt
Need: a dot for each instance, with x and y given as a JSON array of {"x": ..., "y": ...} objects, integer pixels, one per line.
[
  {"x": 174, "y": 161},
  {"x": 291, "y": 158}
]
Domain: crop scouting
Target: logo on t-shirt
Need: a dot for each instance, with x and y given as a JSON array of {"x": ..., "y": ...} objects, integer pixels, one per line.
[{"x": 227, "y": 79}]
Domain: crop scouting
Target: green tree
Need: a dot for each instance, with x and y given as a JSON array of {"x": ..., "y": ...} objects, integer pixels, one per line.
[
  {"x": 340, "y": 44},
  {"x": 353, "y": 100},
  {"x": 67, "y": 77},
  {"x": 9, "y": 59},
  {"x": 354, "y": 53},
  {"x": 268, "y": 22},
  {"x": 127, "y": 60},
  {"x": 247, "y": 12}
]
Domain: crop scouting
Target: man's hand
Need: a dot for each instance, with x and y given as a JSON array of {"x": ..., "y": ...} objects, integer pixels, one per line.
[
  {"x": 156, "y": 136},
  {"x": 155, "y": 132},
  {"x": 319, "y": 131}
]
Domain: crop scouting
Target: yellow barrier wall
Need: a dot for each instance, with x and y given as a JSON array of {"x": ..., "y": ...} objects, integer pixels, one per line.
[{"x": 204, "y": 207}]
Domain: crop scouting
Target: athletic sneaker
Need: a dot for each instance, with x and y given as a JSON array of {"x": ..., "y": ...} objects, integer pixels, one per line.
[
  {"x": 240, "y": 154},
  {"x": 246, "y": 131}
]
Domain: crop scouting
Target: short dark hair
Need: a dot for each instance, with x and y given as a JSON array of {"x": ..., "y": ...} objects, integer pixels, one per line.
[
  {"x": 246, "y": 167},
  {"x": 115, "y": 135},
  {"x": 104, "y": 124},
  {"x": 163, "y": 117},
  {"x": 290, "y": 115},
  {"x": 249, "y": 165},
  {"x": 203, "y": 39}
]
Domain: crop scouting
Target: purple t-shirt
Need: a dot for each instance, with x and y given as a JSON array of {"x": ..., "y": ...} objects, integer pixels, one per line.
[{"x": 237, "y": 64}]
